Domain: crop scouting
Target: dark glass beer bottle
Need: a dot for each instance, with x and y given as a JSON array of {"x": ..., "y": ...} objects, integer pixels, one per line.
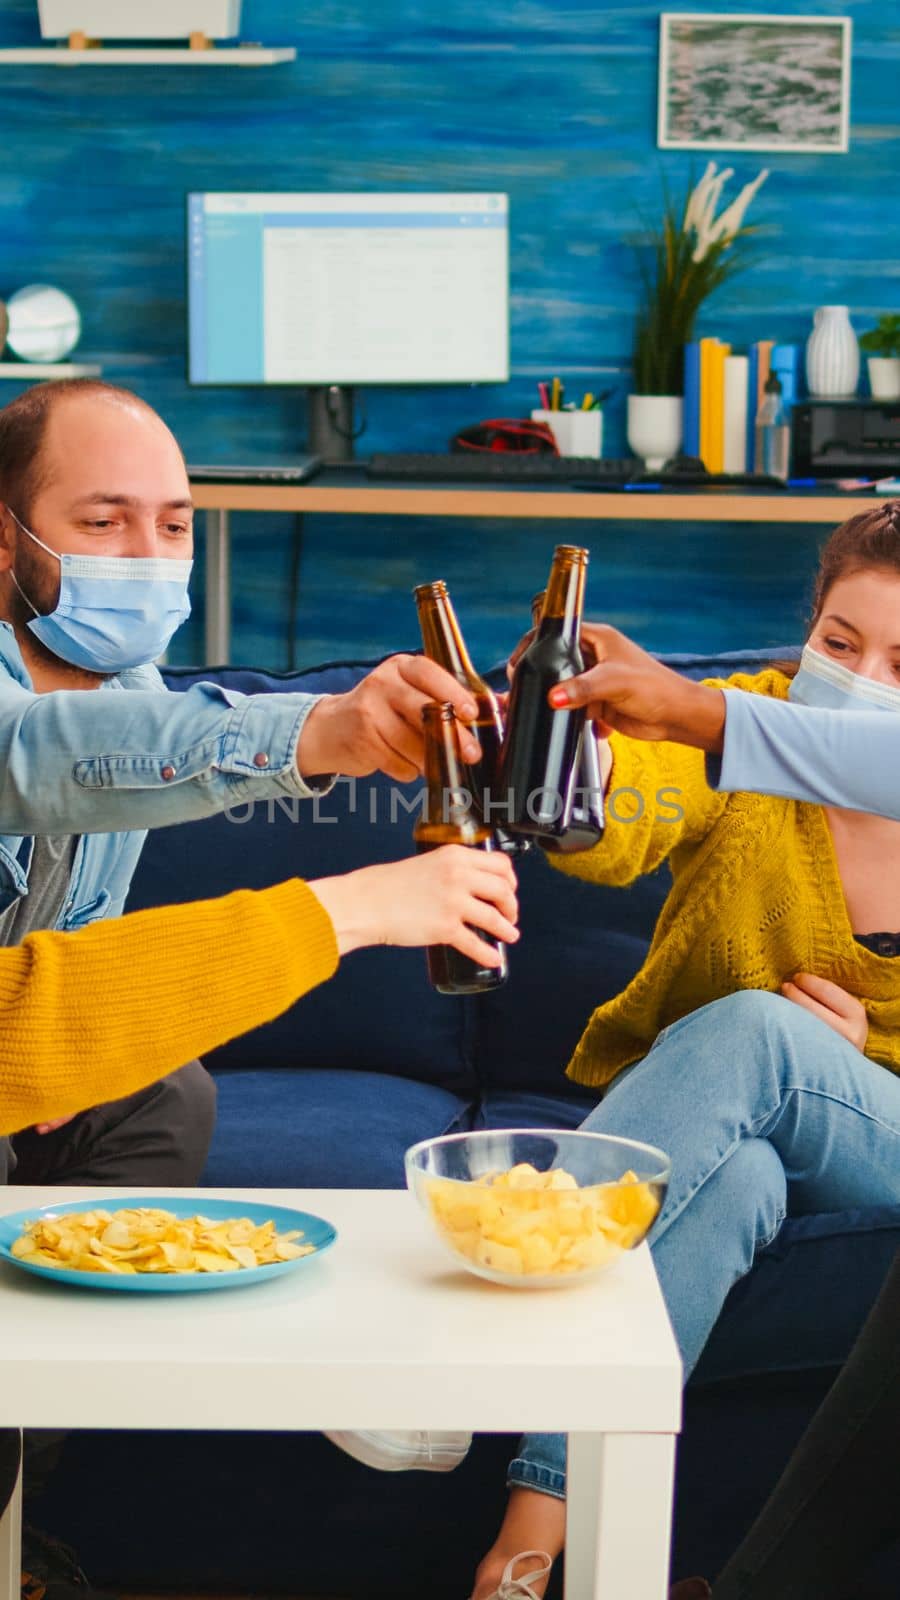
[
  {"x": 539, "y": 760},
  {"x": 450, "y": 819},
  {"x": 584, "y": 803},
  {"x": 444, "y": 643}
]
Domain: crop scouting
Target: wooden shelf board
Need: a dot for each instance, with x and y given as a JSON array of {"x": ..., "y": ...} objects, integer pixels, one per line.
[
  {"x": 437, "y": 500},
  {"x": 122, "y": 56},
  {"x": 48, "y": 369}
]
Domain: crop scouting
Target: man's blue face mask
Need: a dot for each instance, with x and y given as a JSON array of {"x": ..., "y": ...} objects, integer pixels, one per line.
[
  {"x": 824, "y": 683},
  {"x": 113, "y": 612}
]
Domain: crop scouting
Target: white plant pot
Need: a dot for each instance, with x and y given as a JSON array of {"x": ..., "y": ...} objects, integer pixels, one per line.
[
  {"x": 832, "y": 355},
  {"x": 139, "y": 19},
  {"x": 655, "y": 427},
  {"x": 884, "y": 377}
]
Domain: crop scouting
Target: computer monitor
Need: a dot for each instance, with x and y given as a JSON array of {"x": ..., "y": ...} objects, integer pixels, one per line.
[{"x": 344, "y": 289}]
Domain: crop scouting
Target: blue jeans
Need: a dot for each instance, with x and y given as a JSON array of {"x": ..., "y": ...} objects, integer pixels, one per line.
[{"x": 763, "y": 1109}]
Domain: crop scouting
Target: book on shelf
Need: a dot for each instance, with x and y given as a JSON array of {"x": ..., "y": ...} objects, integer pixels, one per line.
[
  {"x": 717, "y": 439},
  {"x": 708, "y": 348},
  {"x": 713, "y": 354},
  {"x": 736, "y": 398},
  {"x": 692, "y": 398},
  {"x": 752, "y": 407}
]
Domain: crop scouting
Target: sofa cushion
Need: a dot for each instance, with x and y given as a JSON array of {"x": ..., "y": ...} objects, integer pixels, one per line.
[
  {"x": 807, "y": 1297},
  {"x": 726, "y": 664},
  {"x": 323, "y": 1130},
  {"x": 379, "y": 1012},
  {"x": 581, "y": 944},
  {"x": 526, "y": 1108}
]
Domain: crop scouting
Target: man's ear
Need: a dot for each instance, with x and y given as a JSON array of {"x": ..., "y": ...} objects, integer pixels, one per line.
[{"x": 7, "y": 538}]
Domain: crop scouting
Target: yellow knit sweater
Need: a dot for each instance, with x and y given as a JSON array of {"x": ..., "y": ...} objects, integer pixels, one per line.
[
  {"x": 756, "y": 897},
  {"x": 88, "y": 1017}
]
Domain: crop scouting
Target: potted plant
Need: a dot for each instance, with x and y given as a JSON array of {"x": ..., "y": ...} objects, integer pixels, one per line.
[
  {"x": 883, "y": 341},
  {"x": 691, "y": 254},
  {"x": 139, "y": 19}
]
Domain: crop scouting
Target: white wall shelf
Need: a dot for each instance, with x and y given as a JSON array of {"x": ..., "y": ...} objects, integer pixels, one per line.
[
  {"x": 47, "y": 369},
  {"x": 244, "y": 55}
]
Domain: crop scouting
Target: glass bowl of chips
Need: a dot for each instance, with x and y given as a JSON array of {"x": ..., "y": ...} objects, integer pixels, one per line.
[{"x": 537, "y": 1207}]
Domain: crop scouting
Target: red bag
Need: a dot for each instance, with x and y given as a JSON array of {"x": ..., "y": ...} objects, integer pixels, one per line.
[{"x": 517, "y": 434}]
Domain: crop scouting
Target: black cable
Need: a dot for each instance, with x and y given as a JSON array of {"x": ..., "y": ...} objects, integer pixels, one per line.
[{"x": 343, "y": 433}]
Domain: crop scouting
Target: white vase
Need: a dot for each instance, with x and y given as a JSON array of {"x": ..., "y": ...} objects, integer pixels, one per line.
[
  {"x": 139, "y": 19},
  {"x": 832, "y": 354},
  {"x": 884, "y": 377},
  {"x": 655, "y": 427}
]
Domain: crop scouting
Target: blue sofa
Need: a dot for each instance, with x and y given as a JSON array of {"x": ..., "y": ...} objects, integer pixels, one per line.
[{"x": 331, "y": 1095}]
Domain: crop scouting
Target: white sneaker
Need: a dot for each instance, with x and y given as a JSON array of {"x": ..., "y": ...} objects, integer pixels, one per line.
[
  {"x": 520, "y": 1588},
  {"x": 403, "y": 1452}
]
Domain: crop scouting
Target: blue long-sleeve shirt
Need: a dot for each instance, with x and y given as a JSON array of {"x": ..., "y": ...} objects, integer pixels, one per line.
[{"x": 836, "y": 758}]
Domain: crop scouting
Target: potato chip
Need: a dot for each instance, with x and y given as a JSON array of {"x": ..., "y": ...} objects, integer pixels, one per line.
[
  {"x": 525, "y": 1222},
  {"x": 148, "y": 1239}
]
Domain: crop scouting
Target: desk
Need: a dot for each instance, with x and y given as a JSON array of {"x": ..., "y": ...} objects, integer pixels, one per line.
[
  {"x": 348, "y": 492},
  {"x": 383, "y": 1332}
]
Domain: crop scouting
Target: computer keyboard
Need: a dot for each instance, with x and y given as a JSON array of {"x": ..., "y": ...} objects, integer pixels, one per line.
[
  {"x": 582, "y": 472},
  {"x": 499, "y": 466}
]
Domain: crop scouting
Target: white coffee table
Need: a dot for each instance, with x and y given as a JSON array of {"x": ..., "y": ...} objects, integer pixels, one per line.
[{"x": 382, "y": 1332}]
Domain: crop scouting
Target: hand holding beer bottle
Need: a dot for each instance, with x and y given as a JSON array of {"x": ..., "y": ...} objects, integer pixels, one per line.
[
  {"x": 584, "y": 802},
  {"x": 450, "y": 820},
  {"x": 449, "y": 895},
  {"x": 443, "y": 642},
  {"x": 542, "y": 749}
]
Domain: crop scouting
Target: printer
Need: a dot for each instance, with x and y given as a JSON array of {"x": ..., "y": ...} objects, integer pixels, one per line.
[{"x": 846, "y": 438}]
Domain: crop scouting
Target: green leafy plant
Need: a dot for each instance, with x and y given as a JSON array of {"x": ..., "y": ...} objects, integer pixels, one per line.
[
  {"x": 883, "y": 339},
  {"x": 691, "y": 255}
]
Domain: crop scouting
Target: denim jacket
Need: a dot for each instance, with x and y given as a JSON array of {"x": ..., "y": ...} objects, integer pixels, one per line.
[{"x": 110, "y": 763}]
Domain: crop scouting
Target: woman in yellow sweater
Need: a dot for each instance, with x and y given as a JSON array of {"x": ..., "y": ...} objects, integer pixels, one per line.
[
  {"x": 760, "y": 1042},
  {"x": 173, "y": 987}
]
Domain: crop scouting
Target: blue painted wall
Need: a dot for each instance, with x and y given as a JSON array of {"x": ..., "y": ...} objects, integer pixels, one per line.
[{"x": 554, "y": 102}]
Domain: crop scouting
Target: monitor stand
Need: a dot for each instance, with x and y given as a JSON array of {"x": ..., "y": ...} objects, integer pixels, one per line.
[{"x": 330, "y": 431}]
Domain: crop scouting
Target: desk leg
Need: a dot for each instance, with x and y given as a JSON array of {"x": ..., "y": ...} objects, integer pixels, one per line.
[
  {"x": 11, "y": 1545},
  {"x": 218, "y": 589},
  {"x": 294, "y": 591},
  {"x": 619, "y": 1513}
]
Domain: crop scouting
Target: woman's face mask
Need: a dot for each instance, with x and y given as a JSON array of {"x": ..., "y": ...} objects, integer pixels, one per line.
[
  {"x": 824, "y": 683},
  {"x": 113, "y": 612}
]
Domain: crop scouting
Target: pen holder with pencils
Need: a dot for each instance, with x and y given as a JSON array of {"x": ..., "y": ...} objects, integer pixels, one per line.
[{"x": 577, "y": 433}]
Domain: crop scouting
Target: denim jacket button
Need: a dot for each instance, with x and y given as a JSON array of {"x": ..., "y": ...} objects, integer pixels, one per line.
[
  {"x": 260, "y": 759},
  {"x": 167, "y": 772}
]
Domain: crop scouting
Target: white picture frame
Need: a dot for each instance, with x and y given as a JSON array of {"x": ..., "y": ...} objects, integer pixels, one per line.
[
  {"x": 139, "y": 19},
  {"x": 713, "y": 89}
]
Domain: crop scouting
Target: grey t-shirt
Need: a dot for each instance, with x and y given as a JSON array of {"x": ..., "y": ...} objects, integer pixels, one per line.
[{"x": 48, "y": 886}]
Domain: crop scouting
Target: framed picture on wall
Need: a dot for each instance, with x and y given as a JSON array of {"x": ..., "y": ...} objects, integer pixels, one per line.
[{"x": 754, "y": 82}]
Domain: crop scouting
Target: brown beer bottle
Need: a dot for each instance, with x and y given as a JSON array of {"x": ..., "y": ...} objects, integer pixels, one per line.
[
  {"x": 444, "y": 643},
  {"x": 449, "y": 819},
  {"x": 584, "y": 803},
  {"x": 540, "y": 753}
]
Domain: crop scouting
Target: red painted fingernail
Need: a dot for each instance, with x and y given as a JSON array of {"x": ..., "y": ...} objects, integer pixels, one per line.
[{"x": 559, "y": 697}]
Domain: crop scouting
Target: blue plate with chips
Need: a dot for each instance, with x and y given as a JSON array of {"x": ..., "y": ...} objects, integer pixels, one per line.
[{"x": 314, "y": 1231}]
